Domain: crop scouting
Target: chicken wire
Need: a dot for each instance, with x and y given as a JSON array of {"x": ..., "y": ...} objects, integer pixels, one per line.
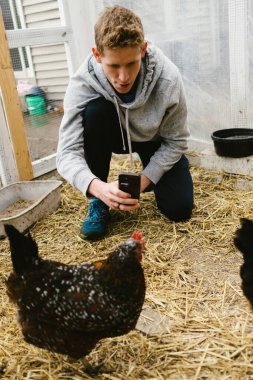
[{"x": 211, "y": 43}]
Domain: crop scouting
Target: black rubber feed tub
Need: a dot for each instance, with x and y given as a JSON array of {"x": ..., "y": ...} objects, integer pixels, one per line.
[{"x": 233, "y": 142}]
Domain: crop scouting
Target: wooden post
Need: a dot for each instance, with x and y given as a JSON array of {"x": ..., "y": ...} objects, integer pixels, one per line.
[
  {"x": 13, "y": 110},
  {"x": 239, "y": 62},
  {"x": 8, "y": 167}
]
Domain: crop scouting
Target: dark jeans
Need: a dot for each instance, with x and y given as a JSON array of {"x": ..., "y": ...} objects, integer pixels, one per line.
[{"x": 102, "y": 137}]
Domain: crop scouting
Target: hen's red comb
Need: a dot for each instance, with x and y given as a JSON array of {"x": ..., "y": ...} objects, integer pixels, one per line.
[{"x": 137, "y": 235}]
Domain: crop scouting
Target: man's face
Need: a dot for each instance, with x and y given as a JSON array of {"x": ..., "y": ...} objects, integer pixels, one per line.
[{"x": 121, "y": 66}]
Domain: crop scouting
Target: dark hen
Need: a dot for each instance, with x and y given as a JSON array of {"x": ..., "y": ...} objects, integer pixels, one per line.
[
  {"x": 69, "y": 308},
  {"x": 244, "y": 242}
]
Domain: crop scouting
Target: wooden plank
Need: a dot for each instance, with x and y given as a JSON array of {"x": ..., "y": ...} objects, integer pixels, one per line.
[
  {"x": 38, "y": 36},
  {"x": 41, "y": 17},
  {"x": 40, "y": 7},
  {"x": 49, "y": 58},
  {"x": 44, "y": 165},
  {"x": 52, "y": 66},
  {"x": 13, "y": 110},
  {"x": 46, "y": 24},
  {"x": 48, "y": 49},
  {"x": 8, "y": 167},
  {"x": 52, "y": 74},
  {"x": 34, "y": 2},
  {"x": 57, "y": 81},
  {"x": 55, "y": 96},
  {"x": 57, "y": 88},
  {"x": 239, "y": 63}
]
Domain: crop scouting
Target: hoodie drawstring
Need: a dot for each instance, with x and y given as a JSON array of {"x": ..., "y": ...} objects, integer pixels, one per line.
[
  {"x": 121, "y": 129},
  {"x": 129, "y": 141},
  {"x": 128, "y": 134}
]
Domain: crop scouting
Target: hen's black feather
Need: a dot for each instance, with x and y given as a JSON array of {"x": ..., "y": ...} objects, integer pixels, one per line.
[
  {"x": 243, "y": 240},
  {"x": 69, "y": 308},
  {"x": 27, "y": 248}
]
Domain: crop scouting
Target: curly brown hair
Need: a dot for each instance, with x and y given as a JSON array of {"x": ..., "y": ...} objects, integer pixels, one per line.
[{"x": 118, "y": 27}]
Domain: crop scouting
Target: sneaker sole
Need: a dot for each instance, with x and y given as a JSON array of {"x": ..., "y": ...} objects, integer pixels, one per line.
[{"x": 88, "y": 237}]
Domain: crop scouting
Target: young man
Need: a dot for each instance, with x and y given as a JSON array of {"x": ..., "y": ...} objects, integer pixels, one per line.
[{"x": 126, "y": 95}]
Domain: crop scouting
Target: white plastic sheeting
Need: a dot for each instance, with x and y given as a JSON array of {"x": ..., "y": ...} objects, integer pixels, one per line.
[{"x": 211, "y": 43}]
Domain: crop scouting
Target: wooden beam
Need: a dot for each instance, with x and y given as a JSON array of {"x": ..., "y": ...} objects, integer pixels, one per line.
[
  {"x": 38, "y": 36},
  {"x": 8, "y": 167},
  {"x": 239, "y": 62},
  {"x": 13, "y": 110},
  {"x": 44, "y": 165}
]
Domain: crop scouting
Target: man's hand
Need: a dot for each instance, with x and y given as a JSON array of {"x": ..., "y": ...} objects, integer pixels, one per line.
[
  {"x": 110, "y": 194},
  {"x": 116, "y": 199}
]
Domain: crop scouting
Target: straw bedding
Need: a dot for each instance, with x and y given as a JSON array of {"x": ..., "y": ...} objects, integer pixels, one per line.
[{"x": 192, "y": 275}]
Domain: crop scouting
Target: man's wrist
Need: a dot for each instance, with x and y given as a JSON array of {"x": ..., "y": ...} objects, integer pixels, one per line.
[
  {"x": 145, "y": 181},
  {"x": 93, "y": 188}
]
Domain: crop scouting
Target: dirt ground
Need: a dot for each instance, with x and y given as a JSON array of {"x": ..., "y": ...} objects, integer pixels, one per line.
[{"x": 42, "y": 133}]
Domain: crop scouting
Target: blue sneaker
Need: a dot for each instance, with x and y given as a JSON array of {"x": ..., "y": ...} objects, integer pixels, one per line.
[{"x": 96, "y": 221}]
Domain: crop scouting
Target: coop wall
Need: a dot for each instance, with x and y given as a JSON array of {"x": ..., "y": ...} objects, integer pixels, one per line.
[{"x": 50, "y": 68}]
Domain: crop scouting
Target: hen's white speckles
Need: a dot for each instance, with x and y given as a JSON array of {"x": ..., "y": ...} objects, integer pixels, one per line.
[{"x": 78, "y": 298}]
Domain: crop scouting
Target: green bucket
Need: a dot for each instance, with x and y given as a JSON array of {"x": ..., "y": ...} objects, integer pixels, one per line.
[{"x": 36, "y": 104}]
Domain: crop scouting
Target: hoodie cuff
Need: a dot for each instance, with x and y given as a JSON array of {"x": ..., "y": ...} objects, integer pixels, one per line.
[
  {"x": 82, "y": 181},
  {"x": 154, "y": 172}
]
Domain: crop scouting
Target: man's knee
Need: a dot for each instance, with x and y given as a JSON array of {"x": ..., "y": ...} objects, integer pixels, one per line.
[{"x": 177, "y": 212}]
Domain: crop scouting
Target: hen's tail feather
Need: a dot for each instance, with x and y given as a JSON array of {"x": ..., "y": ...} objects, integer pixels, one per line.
[
  {"x": 244, "y": 242},
  {"x": 24, "y": 250}
]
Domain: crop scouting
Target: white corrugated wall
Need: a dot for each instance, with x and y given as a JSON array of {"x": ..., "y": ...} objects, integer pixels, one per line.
[{"x": 49, "y": 61}]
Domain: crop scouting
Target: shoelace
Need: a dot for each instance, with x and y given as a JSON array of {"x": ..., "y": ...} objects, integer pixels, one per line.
[{"x": 96, "y": 211}]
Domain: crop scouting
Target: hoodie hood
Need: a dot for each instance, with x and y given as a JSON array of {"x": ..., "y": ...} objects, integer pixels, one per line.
[{"x": 150, "y": 71}]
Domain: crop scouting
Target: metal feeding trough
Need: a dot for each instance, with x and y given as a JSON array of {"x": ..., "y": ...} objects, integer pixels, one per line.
[
  {"x": 233, "y": 142},
  {"x": 24, "y": 203}
]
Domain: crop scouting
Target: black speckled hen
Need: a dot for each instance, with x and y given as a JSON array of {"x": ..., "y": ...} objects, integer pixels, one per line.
[
  {"x": 68, "y": 308},
  {"x": 244, "y": 242}
]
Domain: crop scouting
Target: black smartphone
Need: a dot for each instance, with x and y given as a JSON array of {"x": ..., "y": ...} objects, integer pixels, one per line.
[{"x": 130, "y": 183}]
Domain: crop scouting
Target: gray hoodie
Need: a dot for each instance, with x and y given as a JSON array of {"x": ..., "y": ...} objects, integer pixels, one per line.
[{"x": 158, "y": 113}]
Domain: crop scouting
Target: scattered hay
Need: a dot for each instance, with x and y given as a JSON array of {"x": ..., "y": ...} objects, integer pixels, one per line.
[{"x": 192, "y": 274}]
